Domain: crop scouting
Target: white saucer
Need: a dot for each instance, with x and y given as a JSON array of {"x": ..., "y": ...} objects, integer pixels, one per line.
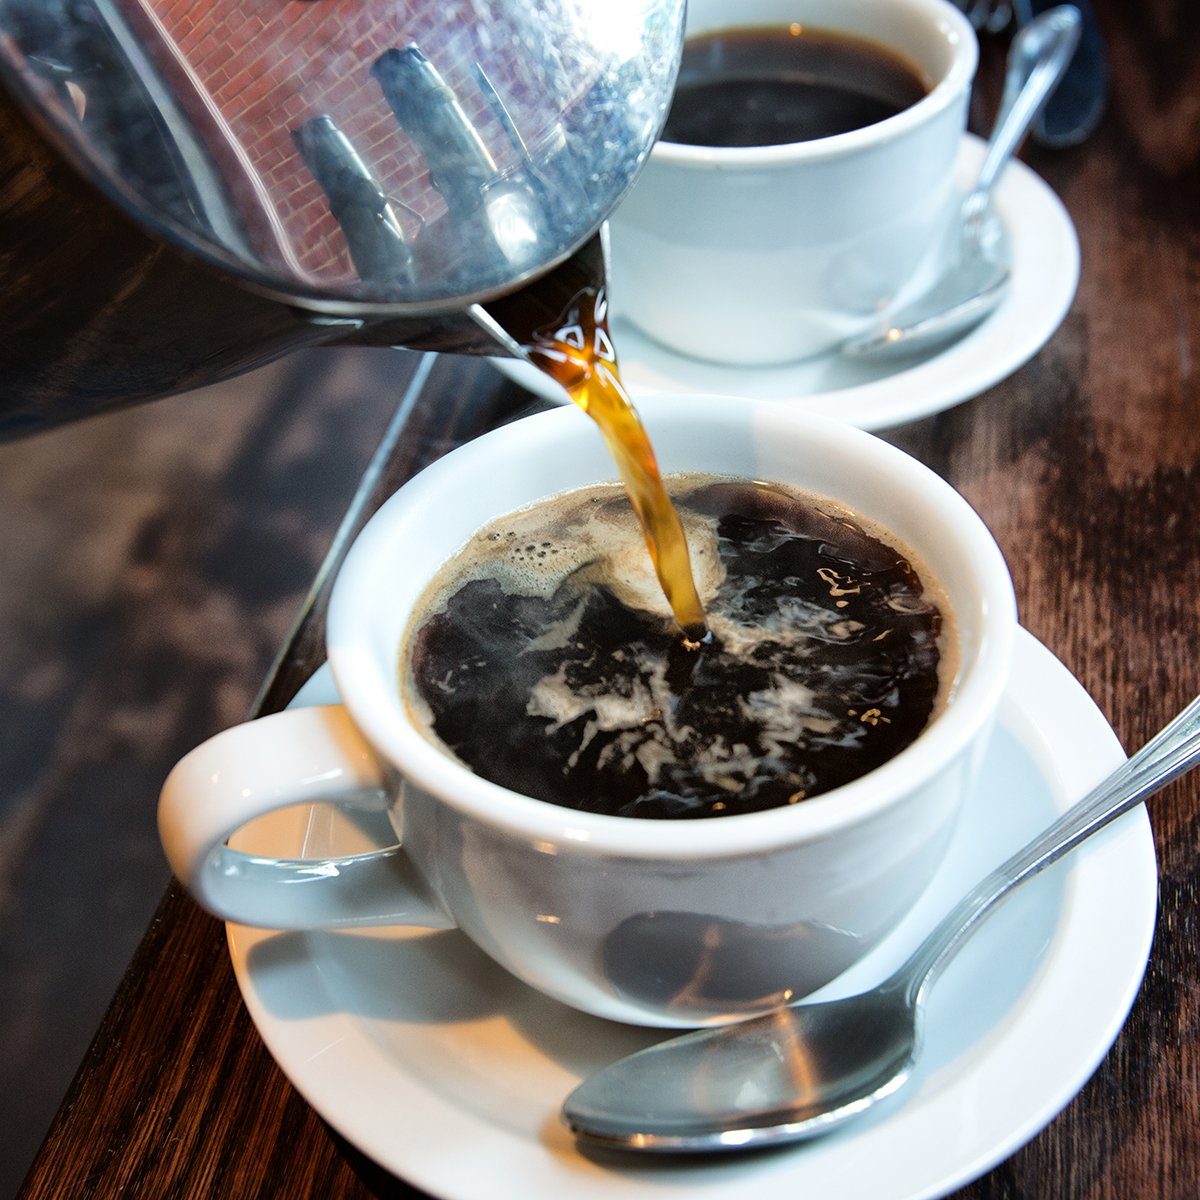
[
  {"x": 449, "y": 1072},
  {"x": 1045, "y": 272}
]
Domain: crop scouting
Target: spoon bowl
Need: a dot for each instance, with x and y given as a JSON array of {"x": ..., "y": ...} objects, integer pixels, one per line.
[{"x": 792, "y": 1074}]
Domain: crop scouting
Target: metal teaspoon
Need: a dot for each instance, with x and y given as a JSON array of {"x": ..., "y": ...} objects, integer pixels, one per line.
[
  {"x": 800, "y": 1071},
  {"x": 978, "y": 274}
]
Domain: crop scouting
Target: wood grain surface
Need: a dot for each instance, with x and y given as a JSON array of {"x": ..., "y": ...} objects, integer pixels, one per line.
[{"x": 1085, "y": 464}]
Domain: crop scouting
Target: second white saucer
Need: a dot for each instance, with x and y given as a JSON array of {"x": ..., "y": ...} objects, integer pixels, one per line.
[{"x": 876, "y": 395}]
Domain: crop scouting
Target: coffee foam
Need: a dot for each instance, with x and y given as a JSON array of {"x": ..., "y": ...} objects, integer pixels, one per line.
[{"x": 592, "y": 531}]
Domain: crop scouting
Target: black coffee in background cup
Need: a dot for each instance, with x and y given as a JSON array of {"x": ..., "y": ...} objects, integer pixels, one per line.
[
  {"x": 544, "y": 658},
  {"x": 774, "y": 85}
]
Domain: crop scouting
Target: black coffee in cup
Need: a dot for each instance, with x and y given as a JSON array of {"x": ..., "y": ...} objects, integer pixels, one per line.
[
  {"x": 543, "y": 657},
  {"x": 774, "y": 85}
]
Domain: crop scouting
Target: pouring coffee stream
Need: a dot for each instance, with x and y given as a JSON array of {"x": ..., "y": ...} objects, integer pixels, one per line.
[
  {"x": 561, "y": 327},
  {"x": 580, "y": 356}
]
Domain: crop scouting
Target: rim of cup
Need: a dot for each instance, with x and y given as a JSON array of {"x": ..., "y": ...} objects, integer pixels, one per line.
[
  {"x": 943, "y": 16},
  {"x": 368, "y": 679}
]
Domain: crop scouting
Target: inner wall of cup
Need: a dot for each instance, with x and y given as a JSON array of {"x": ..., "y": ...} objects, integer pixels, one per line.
[{"x": 918, "y": 29}]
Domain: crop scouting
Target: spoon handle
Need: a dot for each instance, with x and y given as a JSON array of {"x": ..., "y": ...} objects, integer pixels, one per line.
[
  {"x": 1165, "y": 757},
  {"x": 1037, "y": 59}
]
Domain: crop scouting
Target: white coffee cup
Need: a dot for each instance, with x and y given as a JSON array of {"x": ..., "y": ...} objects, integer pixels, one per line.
[
  {"x": 769, "y": 254},
  {"x": 609, "y": 914}
]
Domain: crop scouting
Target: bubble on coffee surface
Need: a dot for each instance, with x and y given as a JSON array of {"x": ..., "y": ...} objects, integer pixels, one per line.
[{"x": 547, "y": 661}]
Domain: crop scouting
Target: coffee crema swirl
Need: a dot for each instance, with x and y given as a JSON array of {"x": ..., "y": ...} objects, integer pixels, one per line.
[{"x": 543, "y": 658}]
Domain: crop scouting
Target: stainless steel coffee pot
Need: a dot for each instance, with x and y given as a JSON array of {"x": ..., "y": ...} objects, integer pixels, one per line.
[{"x": 190, "y": 188}]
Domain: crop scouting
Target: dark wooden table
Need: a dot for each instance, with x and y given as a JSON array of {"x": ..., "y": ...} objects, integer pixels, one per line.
[{"x": 1086, "y": 465}]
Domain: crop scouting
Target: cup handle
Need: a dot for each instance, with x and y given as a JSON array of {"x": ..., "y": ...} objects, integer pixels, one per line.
[{"x": 304, "y": 755}]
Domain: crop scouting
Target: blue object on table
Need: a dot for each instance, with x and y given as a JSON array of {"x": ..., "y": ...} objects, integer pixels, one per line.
[{"x": 1078, "y": 103}]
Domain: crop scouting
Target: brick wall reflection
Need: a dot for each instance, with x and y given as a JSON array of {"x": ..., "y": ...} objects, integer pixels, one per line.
[{"x": 268, "y": 66}]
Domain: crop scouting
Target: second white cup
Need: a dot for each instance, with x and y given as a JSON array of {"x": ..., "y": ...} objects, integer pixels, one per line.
[{"x": 770, "y": 254}]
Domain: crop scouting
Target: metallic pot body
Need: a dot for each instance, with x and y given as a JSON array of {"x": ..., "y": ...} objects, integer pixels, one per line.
[{"x": 190, "y": 190}]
